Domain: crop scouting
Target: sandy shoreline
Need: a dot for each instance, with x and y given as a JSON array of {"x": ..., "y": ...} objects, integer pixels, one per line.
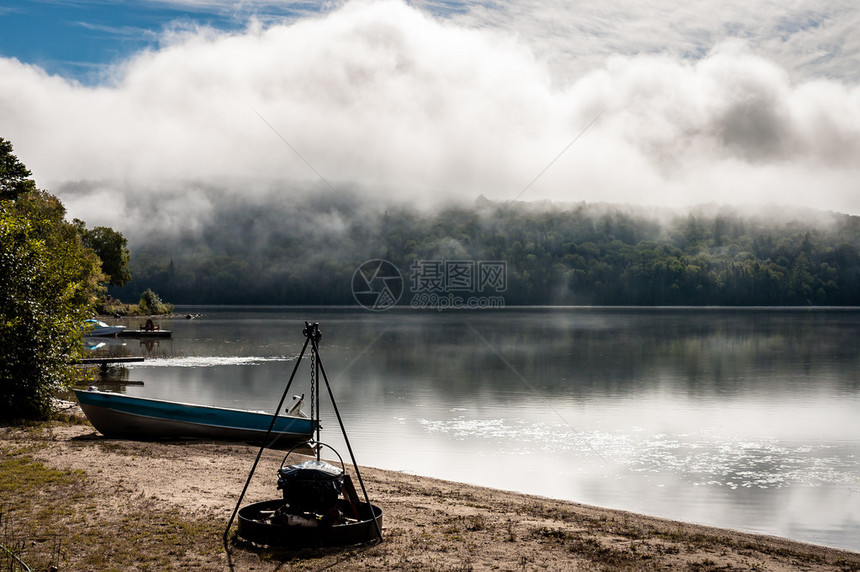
[{"x": 429, "y": 524}]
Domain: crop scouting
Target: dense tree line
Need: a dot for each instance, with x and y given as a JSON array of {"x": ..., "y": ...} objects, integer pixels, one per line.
[{"x": 306, "y": 253}]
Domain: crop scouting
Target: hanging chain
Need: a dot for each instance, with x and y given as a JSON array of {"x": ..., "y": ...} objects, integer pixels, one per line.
[
  {"x": 313, "y": 382},
  {"x": 312, "y": 331}
]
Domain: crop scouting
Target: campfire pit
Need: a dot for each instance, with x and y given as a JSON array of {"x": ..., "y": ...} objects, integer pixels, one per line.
[{"x": 320, "y": 507}]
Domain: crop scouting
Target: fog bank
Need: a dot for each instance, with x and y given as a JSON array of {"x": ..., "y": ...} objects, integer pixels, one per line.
[{"x": 388, "y": 103}]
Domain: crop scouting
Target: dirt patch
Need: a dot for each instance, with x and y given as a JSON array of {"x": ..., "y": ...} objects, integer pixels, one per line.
[{"x": 126, "y": 505}]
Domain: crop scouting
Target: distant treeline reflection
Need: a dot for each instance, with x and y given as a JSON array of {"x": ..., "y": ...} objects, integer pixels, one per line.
[{"x": 284, "y": 252}]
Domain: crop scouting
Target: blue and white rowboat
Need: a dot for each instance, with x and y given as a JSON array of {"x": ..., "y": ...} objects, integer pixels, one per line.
[{"x": 123, "y": 416}]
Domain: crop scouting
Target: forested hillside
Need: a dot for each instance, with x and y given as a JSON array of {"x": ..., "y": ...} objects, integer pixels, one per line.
[{"x": 279, "y": 253}]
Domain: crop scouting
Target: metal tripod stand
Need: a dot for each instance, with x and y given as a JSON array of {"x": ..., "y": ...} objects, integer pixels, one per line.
[{"x": 312, "y": 337}]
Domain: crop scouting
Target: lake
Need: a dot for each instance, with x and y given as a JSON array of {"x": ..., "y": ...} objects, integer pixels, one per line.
[{"x": 739, "y": 418}]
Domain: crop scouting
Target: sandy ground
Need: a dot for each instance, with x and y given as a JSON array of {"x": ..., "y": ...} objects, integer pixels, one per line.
[{"x": 429, "y": 524}]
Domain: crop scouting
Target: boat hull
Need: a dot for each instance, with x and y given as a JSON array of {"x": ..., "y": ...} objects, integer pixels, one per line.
[{"x": 122, "y": 416}]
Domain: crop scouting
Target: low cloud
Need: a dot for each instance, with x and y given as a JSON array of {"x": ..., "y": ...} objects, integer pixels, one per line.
[{"x": 386, "y": 102}]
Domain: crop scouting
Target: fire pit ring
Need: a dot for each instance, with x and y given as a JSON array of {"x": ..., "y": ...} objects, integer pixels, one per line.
[
  {"x": 254, "y": 527},
  {"x": 311, "y": 513}
]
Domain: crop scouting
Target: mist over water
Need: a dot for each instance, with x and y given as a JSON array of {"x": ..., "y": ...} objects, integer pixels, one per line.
[{"x": 737, "y": 418}]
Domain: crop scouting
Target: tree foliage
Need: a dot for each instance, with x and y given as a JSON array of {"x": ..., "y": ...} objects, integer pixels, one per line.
[
  {"x": 151, "y": 303},
  {"x": 14, "y": 176},
  {"x": 49, "y": 281},
  {"x": 112, "y": 249}
]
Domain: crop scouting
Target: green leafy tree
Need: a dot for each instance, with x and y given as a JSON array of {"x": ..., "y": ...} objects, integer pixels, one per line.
[
  {"x": 150, "y": 303},
  {"x": 49, "y": 282},
  {"x": 14, "y": 176},
  {"x": 112, "y": 249}
]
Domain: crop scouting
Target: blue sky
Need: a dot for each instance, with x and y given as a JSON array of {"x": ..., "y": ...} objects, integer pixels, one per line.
[
  {"x": 126, "y": 108},
  {"x": 72, "y": 38},
  {"x": 79, "y": 38}
]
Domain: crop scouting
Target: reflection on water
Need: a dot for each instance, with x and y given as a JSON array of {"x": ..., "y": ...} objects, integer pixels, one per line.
[{"x": 738, "y": 418}]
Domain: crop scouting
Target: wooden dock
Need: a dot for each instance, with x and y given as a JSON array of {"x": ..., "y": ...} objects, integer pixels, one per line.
[{"x": 145, "y": 334}]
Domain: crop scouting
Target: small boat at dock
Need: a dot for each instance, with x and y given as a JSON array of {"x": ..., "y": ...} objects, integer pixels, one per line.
[
  {"x": 124, "y": 416},
  {"x": 94, "y": 327}
]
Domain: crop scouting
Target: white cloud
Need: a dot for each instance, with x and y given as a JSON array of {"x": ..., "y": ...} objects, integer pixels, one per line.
[
  {"x": 384, "y": 97},
  {"x": 809, "y": 38}
]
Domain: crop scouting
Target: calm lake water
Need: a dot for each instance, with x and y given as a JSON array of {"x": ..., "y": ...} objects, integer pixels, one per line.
[{"x": 746, "y": 419}]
